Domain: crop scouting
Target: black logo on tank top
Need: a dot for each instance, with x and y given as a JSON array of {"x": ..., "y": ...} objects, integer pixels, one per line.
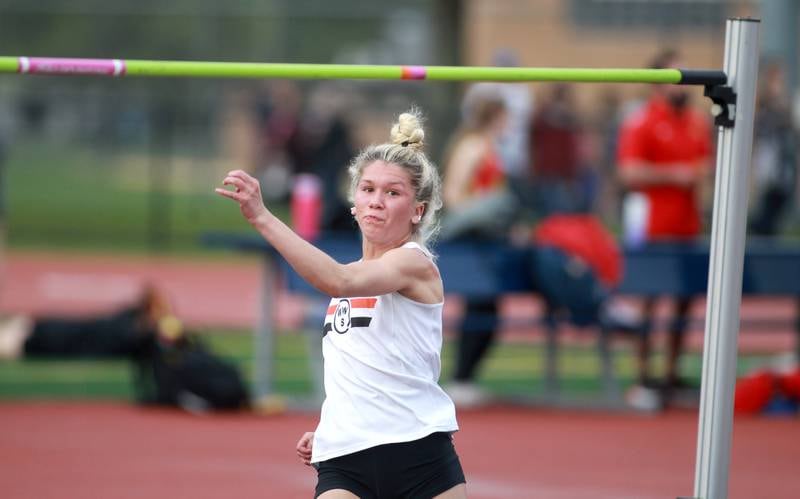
[
  {"x": 341, "y": 318},
  {"x": 350, "y": 313}
]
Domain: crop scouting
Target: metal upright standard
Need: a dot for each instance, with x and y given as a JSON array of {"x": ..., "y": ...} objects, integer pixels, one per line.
[{"x": 725, "y": 265}]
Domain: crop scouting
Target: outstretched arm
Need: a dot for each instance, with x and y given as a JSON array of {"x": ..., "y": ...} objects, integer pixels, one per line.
[{"x": 400, "y": 269}]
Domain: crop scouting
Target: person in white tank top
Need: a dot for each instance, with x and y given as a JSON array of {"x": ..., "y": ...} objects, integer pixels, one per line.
[{"x": 383, "y": 329}]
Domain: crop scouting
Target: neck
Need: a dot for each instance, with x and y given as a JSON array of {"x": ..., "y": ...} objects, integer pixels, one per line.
[{"x": 371, "y": 250}]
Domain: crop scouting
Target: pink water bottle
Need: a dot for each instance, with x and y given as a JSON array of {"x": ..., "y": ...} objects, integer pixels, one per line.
[{"x": 306, "y": 205}]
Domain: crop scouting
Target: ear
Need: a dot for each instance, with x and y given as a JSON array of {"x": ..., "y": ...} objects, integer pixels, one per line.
[
  {"x": 418, "y": 211},
  {"x": 352, "y": 210}
]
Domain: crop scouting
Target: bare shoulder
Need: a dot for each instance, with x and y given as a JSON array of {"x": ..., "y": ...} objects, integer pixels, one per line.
[
  {"x": 411, "y": 260},
  {"x": 420, "y": 274}
]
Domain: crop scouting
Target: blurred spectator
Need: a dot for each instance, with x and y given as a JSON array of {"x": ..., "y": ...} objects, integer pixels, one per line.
[
  {"x": 281, "y": 145},
  {"x": 477, "y": 200},
  {"x": 172, "y": 367},
  {"x": 556, "y": 149},
  {"x": 121, "y": 334},
  {"x": 775, "y": 153},
  {"x": 576, "y": 267},
  {"x": 663, "y": 155},
  {"x": 329, "y": 149},
  {"x": 512, "y": 143},
  {"x": 478, "y": 205}
]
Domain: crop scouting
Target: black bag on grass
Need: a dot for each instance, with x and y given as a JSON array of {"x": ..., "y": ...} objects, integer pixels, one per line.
[{"x": 184, "y": 373}]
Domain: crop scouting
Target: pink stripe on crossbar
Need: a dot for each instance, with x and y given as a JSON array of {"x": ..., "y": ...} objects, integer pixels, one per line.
[
  {"x": 414, "y": 72},
  {"x": 61, "y": 66}
]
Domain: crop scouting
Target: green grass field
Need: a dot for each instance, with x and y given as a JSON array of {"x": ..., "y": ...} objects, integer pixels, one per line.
[
  {"x": 511, "y": 369},
  {"x": 78, "y": 198}
]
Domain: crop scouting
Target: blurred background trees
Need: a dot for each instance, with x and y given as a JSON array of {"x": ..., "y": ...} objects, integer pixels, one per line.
[{"x": 131, "y": 163}]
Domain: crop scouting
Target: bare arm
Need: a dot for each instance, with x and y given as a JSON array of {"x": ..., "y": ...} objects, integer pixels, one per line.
[
  {"x": 638, "y": 174},
  {"x": 400, "y": 269},
  {"x": 459, "y": 169}
]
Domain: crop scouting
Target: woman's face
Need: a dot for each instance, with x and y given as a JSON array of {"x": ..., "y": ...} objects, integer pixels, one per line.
[{"x": 385, "y": 206}]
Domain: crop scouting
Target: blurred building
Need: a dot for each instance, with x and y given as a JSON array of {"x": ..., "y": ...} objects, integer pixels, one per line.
[{"x": 600, "y": 33}]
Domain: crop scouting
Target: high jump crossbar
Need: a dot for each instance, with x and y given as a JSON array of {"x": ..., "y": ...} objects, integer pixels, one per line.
[
  {"x": 209, "y": 69},
  {"x": 731, "y": 90}
]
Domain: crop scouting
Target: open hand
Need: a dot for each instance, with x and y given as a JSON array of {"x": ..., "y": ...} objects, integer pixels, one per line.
[{"x": 246, "y": 192}]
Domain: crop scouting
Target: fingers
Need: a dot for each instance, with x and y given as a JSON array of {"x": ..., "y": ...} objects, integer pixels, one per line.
[
  {"x": 228, "y": 194},
  {"x": 304, "y": 455},
  {"x": 236, "y": 182},
  {"x": 241, "y": 179},
  {"x": 305, "y": 443},
  {"x": 240, "y": 174},
  {"x": 304, "y": 447},
  {"x": 242, "y": 183}
]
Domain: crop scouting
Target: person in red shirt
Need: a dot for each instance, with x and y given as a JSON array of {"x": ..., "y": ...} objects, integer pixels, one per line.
[{"x": 663, "y": 155}]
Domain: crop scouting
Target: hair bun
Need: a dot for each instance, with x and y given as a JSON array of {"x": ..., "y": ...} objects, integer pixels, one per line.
[{"x": 408, "y": 132}]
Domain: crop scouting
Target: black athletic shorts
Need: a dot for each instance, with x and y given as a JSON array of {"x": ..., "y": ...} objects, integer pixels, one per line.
[{"x": 419, "y": 469}]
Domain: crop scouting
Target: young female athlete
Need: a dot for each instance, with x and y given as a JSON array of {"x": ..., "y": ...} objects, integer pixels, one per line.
[{"x": 385, "y": 428}]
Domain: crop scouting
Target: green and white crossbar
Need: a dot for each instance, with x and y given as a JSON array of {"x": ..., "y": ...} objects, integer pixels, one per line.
[{"x": 208, "y": 69}]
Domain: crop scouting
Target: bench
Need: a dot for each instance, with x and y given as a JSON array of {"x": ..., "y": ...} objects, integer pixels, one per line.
[
  {"x": 482, "y": 269},
  {"x": 771, "y": 269}
]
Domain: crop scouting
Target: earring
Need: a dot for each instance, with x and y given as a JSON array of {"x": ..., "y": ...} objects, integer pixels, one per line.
[
  {"x": 416, "y": 219},
  {"x": 353, "y": 210}
]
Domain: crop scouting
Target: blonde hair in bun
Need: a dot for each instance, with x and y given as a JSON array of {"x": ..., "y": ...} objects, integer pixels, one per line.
[
  {"x": 405, "y": 149},
  {"x": 408, "y": 132}
]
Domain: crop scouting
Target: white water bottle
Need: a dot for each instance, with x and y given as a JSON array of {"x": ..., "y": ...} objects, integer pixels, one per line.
[{"x": 635, "y": 219}]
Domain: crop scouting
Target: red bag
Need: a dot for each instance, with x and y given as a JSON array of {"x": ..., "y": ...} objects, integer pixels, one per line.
[
  {"x": 790, "y": 384},
  {"x": 754, "y": 392},
  {"x": 583, "y": 236}
]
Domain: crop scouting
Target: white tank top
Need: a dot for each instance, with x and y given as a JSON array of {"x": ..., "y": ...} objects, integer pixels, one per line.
[{"x": 382, "y": 366}]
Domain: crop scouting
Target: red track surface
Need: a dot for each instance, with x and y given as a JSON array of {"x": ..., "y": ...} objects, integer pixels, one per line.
[
  {"x": 110, "y": 451},
  {"x": 118, "y": 452},
  {"x": 205, "y": 292}
]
